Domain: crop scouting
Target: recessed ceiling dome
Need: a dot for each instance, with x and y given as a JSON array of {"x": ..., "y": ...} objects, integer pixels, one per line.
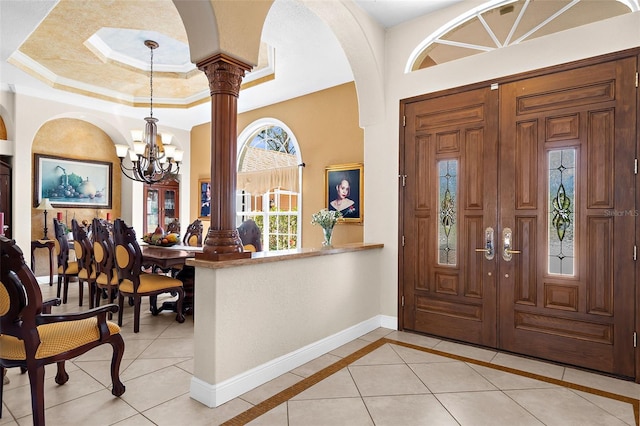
[{"x": 126, "y": 47}]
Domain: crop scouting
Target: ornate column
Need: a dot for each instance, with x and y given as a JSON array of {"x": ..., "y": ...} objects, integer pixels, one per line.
[{"x": 225, "y": 76}]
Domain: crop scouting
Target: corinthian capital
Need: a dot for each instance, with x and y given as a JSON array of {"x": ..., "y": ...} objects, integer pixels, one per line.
[{"x": 224, "y": 74}]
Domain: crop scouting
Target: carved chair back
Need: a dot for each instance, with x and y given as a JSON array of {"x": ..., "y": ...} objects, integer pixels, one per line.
[
  {"x": 128, "y": 255},
  {"x": 173, "y": 227},
  {"x": 250, "y": 235},
  {"x": 193, "y": 236},
  {"x": 104, "y": 255},
  {"x": 66, "y": 268},
  {"x": 86, "y": 264}
]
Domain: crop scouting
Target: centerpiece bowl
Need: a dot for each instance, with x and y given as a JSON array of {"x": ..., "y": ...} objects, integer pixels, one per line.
[{"x": 161, "y": 240}]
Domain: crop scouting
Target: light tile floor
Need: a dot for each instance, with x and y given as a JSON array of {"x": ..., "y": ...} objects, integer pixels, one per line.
[{"x": 395, "y": 384}]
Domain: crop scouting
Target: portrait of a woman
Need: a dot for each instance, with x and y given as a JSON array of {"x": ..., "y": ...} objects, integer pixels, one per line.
[
  {"x": 342, "y": 202},
  {"x": 344, "y": 191}
]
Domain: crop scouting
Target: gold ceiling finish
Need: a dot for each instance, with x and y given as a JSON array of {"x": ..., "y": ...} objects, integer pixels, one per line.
[{"x": 56, "y": 53}]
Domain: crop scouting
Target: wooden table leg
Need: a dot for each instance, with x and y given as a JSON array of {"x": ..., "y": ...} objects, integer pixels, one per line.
[{"x": 49, "y": 245}]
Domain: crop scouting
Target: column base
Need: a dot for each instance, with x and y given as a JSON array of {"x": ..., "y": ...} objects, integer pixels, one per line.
[{"x": 223, "y": 245}]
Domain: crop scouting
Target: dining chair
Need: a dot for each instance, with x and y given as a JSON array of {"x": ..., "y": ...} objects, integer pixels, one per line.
[
  {"x": 193, "y": 236},
  {"x": 134, "y": 282},
  {"x": 250, "y": 235},
  {"x": 105, "y": 223},
  {"x": 31, "y": 337},
  {"x": 103, "y": 254},
  {"x": 66, "y": 268},
  {"x": 186, "y": 274},
  {"x": 86, "y": 263},
  {"x": 173, "y": 227}
]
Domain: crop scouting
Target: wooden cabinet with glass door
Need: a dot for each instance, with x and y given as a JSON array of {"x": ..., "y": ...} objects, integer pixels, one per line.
[{"x": 161, "y": 204}]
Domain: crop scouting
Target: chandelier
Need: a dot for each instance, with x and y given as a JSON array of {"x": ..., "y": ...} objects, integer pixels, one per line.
[{"x": 151, "y": 162}]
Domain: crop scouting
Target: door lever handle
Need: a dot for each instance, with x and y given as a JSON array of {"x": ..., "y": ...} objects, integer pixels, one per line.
[
  {"x": 507, "y": 238},
  {"x": 488, "y": 250}
]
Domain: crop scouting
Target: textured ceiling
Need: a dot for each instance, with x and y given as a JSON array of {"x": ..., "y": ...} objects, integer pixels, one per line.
[
  {"x": 59, "y": 52},
  {"x": 96, "y": 48}
]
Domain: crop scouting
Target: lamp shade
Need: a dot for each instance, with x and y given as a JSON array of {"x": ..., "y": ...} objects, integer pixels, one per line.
[
  {"x": 166, "y": 138},
  {"x": 44, "y": 205},
  {"x": 139, "y": 147},
  {"x": 169, "y": 151},
  {"x": 136, "y": 135},
  {"x": 121, "y": 150}
]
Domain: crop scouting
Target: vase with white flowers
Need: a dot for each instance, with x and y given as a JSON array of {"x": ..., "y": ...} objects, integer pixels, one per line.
[{"x": 327, "y": 219}]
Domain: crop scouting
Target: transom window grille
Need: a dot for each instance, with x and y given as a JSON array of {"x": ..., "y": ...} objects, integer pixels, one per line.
[
  {"x": 268, "y": 182},
  {"x": 500, "y": 23}
]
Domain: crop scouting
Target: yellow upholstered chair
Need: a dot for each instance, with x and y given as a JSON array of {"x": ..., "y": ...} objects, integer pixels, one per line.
[
  {"x": 135, "y": 283},
  {"x": 193, "y": 236},
  {"x": 31, "y": 337},
  {"x": 66, "y": 268},
  {"x": 86, "y": 264},
  {"x": 103, "y": 254}
]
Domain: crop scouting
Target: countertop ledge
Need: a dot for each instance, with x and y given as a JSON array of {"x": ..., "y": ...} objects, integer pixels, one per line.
[{"x": 282, "y": 255}]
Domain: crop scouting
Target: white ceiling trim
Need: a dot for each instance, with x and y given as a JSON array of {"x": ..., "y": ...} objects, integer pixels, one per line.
[
  {"x": 32, "y": 67},
  {"x": 24, "y": 62},
  {"x": 106, "y": 54}
]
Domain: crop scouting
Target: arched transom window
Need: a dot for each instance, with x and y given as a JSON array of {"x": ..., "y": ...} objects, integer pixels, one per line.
[{"x": 500, "y": 23}]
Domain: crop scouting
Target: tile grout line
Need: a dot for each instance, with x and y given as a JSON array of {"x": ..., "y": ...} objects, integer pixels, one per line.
[
  {"x": 286, "y": 394},
  {"x": 635, "y": 403}
]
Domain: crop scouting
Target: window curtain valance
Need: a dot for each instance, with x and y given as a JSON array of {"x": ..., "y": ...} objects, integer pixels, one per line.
[{"x": 263, "y": 181}]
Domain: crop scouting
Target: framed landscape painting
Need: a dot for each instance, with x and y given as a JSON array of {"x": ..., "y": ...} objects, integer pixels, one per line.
[{"x": 72, "y": 183}]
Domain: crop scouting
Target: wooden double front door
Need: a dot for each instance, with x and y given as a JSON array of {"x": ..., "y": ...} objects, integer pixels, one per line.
[{"x": 518, "y": 216}]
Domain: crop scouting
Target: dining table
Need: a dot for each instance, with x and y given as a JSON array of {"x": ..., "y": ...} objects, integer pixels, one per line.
[{"x": 172, "y": 259}]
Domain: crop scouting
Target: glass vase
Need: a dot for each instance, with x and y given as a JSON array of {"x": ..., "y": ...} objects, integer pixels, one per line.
[{"x": 327, "y": 233}]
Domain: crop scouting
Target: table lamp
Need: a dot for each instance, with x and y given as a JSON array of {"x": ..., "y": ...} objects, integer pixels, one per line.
[{"x": 45, "y": 205}]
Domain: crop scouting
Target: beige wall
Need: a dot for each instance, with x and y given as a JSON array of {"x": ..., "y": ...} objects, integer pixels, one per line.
[
  {"x": 325, "y": 124},
  {"x": 75, "y": 139}
]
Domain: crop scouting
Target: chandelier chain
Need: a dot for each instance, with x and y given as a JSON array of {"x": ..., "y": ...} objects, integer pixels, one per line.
[{"x": 151, "y": 84}]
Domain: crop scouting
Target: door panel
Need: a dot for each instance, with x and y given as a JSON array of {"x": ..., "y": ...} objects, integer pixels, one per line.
[
  {"x": 451, "y": 149},
  {"x": 569, "y": 295},
  {"x": 560, "y": 184}
]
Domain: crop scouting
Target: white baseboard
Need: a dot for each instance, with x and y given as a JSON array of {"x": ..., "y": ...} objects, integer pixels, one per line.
[
  {"x": 388, "y": 322},
  {"x": 213, "y": 395}
]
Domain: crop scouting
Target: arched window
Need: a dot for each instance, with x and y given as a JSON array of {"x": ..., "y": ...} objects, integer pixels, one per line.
[
  {"x": 268, "y": 183},
  {"x": 500, "y": 23}
]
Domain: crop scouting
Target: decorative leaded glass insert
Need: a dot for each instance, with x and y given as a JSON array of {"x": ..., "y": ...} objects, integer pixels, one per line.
[
  {"x": 562, "y": 197},
  {"x": 447, "y": 211}
]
